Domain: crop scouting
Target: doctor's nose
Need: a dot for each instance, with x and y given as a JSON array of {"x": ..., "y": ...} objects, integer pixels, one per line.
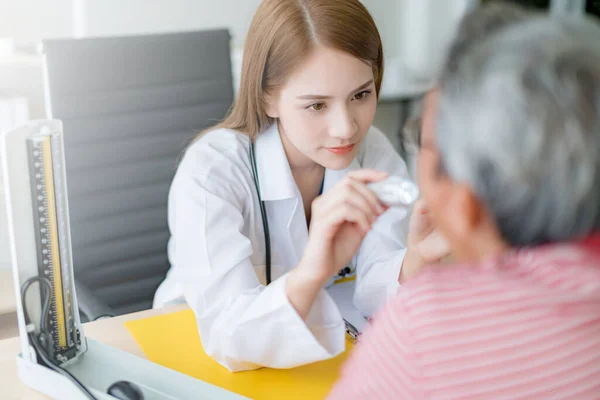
[{"x": 343, "y": 124}]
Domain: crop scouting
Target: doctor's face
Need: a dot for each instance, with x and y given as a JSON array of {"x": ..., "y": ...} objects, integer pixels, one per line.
[{"x": 325, "y": 109}]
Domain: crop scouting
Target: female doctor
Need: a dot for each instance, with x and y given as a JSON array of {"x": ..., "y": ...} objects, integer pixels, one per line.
[{"x": 295, "y": 151}]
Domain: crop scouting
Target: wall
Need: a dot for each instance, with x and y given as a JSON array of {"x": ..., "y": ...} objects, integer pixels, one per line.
[
  {"x": 31, "y": 20},
  {"x": 385, "y": 13},
  {"x": 143, "y": 16},
  {"x": 116, "y": 17}
]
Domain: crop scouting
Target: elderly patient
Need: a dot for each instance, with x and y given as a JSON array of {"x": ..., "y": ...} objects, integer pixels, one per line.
[{"x": 511, "y": 176}]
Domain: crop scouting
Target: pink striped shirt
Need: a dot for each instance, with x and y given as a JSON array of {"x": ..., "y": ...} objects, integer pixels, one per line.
[{"x": 524, "y": 326}]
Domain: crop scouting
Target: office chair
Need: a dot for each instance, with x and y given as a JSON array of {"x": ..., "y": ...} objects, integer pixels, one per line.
[{"x": 130, "y": 106}]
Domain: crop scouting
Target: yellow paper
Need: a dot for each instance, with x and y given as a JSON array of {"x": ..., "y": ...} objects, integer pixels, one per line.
[{"x": 172, "y": 340}]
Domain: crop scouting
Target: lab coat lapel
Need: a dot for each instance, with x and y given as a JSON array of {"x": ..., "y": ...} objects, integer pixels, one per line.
[
  {"x": 279, "y": 190},
  {"x": 297, "y": 228},
  {"x": 274, "y": 172}
]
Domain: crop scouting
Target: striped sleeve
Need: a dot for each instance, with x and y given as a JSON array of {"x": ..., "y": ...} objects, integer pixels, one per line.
[{"x": 384, "y": 355}]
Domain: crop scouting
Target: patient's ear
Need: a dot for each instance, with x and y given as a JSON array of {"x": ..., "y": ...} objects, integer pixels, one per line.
[
  {"x": 466, "y": 211},
  {"x": 475, "y": 235}
]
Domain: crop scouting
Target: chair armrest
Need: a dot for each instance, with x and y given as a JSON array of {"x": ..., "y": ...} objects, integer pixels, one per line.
[{"x": 90, "y": 305}]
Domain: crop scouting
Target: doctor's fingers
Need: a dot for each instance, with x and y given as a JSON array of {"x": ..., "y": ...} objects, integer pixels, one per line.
[
  {"x": 351, "y": 188},
  {"x": 350, "y": 193},
  {"x": 367, "y": 175},
  {"x": 343, "y": 213},
  {"x": 377, "y": 206}
]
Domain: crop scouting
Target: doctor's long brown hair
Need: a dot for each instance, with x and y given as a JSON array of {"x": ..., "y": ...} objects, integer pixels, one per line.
[{"x": 281, "y": 35}]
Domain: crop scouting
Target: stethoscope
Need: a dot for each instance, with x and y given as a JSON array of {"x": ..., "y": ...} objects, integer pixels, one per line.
[
  {"x": 263, "y": 212},
  {"x": 265, "y": 221}
]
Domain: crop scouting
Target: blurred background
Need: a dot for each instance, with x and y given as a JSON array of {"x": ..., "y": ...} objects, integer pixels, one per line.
[{"x": 415, "y": 35}]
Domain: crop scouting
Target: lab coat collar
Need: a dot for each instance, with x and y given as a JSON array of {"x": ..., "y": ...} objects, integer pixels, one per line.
[{"x": 274, "y": 172}]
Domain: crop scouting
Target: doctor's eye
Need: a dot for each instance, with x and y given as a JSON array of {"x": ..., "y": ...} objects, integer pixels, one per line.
[
  {"x": 316, "y": 107},
  {"x": 362, "y": 95}
]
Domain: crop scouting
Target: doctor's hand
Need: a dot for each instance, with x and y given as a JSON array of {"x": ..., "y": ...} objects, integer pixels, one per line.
[
  {"x": 425, "y": 242},
  {"x": 340, "y": 220}
]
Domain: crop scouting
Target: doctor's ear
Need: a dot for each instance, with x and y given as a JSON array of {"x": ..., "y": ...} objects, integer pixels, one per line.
[{"x": 271, "y": 106}]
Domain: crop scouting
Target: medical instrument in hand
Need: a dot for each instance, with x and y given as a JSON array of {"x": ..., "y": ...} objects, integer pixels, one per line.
[{"x": 396, "y": 191}]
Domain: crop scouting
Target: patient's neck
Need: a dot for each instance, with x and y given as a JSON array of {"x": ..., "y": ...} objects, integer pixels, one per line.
[{"x": 481, "y": 246}]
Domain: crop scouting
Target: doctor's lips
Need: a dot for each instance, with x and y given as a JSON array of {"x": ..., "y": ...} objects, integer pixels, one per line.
[{"x": 341, "y": 149}]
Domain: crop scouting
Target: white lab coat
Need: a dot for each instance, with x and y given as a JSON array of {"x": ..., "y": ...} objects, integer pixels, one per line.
[{"x": 217, "y": 251}]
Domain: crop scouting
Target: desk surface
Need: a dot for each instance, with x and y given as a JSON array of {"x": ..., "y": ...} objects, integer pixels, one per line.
[{"x": 110, "y": 331}]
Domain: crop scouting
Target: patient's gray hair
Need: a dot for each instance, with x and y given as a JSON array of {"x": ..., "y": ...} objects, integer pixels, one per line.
[
  {"x": 480, "y": 23},
  {"x": 519, "y": 121}
]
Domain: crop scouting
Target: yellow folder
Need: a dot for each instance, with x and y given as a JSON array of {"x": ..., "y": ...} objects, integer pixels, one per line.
[{"x": 172, "y": 340}]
